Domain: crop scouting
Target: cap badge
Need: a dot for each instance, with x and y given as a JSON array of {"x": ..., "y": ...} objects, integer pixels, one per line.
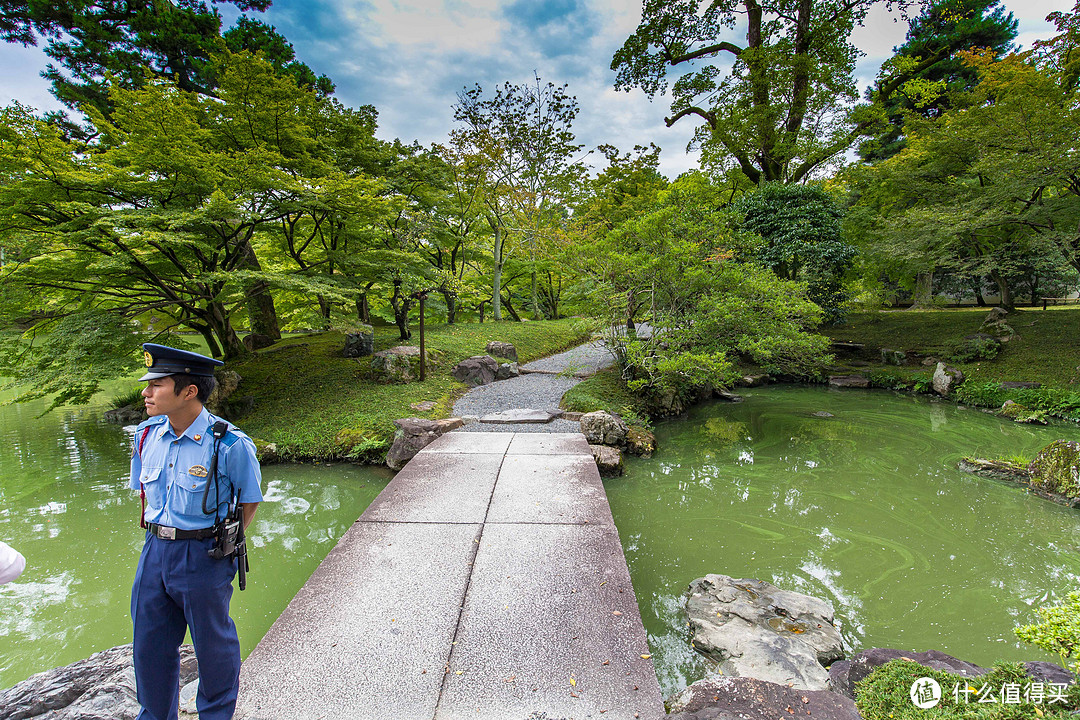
[
  {"x": 148, "y": 358},
  {"x": 197, "y": 471}
]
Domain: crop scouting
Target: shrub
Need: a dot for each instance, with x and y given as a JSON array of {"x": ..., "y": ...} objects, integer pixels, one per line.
[
  {"x": 976, "y": 348},
  {"x": 888, "y": 379},
  {"x": 885, "y": 695},
  {"x": 1058, "y": 631},
  {"x": 984, "y": 394}
]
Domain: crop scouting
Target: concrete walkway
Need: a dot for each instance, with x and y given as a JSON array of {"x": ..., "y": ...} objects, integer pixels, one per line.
[{"x": 486, "y": 581}]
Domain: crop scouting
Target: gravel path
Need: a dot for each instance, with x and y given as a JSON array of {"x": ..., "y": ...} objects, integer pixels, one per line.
[
  {"x": 582, "y": 361},
  {"x": 540, "y": 387}
]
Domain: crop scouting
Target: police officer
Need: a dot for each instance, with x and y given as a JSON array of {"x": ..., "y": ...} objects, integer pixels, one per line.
[{"x": 186, "y": 494}]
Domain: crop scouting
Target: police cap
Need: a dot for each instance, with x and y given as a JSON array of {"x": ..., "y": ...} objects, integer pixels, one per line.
[{"x": 162, "y": 361}]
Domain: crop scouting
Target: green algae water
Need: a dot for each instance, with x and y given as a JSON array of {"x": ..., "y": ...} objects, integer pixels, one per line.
[
  {"x": 865, "y": 509},
  {"x": 65, "y": 505}
]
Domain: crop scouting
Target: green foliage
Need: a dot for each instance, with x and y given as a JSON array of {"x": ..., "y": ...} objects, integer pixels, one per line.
[
  {"x": 923, "y": 383},
  {"x": 1058, "y": 631},
  {"x": 96, "y": 44},
  {"x": 127, "y": 397},
  {"x": 70, "y": 357},
  {"x": 888, "y": 379},
  {"x": 775, "y": 107},
  {"x": 976, "y": 348},
  {"x": 800, "y": 225},
  {"x": 606, "y": 390},
  {"x": 926, "y": 70},
  {"x": 885, "y": 695},
  {"x": 981, "y": 394}
]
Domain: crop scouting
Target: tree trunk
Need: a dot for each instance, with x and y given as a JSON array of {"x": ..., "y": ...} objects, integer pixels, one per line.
[
  {"x": 496, "y": 284},
  {"x": 401, "y": 305},
  {"x": 324, "y": 311},
  {"x": 510, "y": 309},
  {"x": 977, "y": 288},
  {"x": 451, "y": 306},
  {"x": 1003, "y": 289},
  {"x": 924, "y": 290},
  {"x": 262, "y": 315},
  {"x": 363, "y": 312},
  {"x": 218, "y": 320}
]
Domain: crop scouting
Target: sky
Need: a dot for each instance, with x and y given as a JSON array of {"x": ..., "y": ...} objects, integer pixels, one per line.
[{"x": 410, "y": 58}]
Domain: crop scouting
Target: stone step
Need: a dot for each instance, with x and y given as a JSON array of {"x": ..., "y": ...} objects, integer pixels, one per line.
[{"x": 520, "y": 415}]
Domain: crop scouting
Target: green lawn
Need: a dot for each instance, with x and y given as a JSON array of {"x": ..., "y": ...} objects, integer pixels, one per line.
[
  {"x": 314, "y": 403},
  {"x": 1046, "y": 348}
]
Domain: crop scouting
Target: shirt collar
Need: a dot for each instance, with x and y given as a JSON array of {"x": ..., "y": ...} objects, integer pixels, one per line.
[{"x": 198, "y": 431}]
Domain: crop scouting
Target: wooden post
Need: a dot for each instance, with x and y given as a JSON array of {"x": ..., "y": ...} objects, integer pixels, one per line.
[{"x": 423, "y": 352}]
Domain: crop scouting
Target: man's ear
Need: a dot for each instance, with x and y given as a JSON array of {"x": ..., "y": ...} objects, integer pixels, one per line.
[{"x": 191, "y": 391}]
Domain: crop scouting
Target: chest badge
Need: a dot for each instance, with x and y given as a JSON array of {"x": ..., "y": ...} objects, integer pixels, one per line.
[
  {"x": 197, "y": 471},
  {"x": 198, "y": 438}
]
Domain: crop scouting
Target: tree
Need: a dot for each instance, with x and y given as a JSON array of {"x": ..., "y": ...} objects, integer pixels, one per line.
[
  {"x": 523, "y": 142},
  {"x": 134, "y": 42},
  {"x": 159, "y": 213},
  {"x": 713, "y": 305},
  {"x": 780, "y": 111},
  {"x": 936, "y": 74},
  {"x": 800, "y": 225},
  {"x": 988, "y": 188}
]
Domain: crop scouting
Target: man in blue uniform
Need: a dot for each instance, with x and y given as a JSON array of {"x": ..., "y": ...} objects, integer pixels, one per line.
[{"x": 190, "y": 468}]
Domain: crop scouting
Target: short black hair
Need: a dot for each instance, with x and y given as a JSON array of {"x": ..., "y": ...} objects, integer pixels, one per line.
[{"x": 204, "y": 384}]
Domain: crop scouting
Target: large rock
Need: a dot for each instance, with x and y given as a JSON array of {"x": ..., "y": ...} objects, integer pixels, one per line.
[
  {"x": 640, "y": 441},
  {"x": 502, "y": 350},
  {"x": 893, "y": 357},
  {"x": 226, "y": 383},
  {"x": 476, "y": 370},
  {"x": 995, "y": 325},
  {"x": 995, "y": 469},
  {"x": 359, "y": 343},
  {"x": 1055, "y": 472},
  {"x": 507, "y": 371},
  {"x": 127, "y": 415},
  {"x": 411, "y": 435},
  {"x": 101, "y": 687},
  {"x": 602, "y": 428},
  {"x": 741, "y": 698},
  {"x": 1021, "y": 414},
  {"x": 398, "y": 365},
  {"x": 946, "y": 379},
  {"x": 755, "y": 629},
  {"x": 849, "y": 381},
  {"x": 258, "y": 341},
  {"x": 608, "y": 460}
]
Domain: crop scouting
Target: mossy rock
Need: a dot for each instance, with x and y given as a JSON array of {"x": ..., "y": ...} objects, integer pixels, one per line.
[
  {"x": 266, "y": 452},
  {"x": 1055, "y": 472},
  {"x": 1021, "y": 414}
]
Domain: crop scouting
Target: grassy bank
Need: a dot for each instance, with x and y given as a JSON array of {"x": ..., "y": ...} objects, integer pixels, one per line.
[
  {"x": 1044, "y": 350},
  {"x": 313, "y": 403}
]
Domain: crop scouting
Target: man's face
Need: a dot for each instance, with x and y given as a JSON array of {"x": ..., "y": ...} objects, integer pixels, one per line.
[{"x": 161, "y": 398}]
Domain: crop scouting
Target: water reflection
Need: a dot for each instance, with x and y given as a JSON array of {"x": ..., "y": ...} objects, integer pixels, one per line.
[{"x": 864, "y": 509}]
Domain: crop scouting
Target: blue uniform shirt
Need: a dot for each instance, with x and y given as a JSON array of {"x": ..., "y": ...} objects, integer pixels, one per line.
[{"x": 174, "y": 471}]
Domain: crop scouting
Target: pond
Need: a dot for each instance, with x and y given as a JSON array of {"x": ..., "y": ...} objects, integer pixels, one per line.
[
  {"x": 865, "y": 509},
  {"x": 65, "y": 505}
]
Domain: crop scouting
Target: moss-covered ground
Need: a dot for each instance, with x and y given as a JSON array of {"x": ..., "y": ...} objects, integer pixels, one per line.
[
  {"x": 315, "y": 404},
  {"x": 1046, "y": 348}
]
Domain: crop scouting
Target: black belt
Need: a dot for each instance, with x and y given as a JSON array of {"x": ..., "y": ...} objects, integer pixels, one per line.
[{"x": 169, "y": 533}]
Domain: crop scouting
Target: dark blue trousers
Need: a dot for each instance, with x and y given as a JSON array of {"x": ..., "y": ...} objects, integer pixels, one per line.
[{"x": 177, "y": 587}]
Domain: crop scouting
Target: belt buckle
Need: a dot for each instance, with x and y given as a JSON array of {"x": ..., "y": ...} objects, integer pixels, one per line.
[{"x": 167, "y": 533}]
